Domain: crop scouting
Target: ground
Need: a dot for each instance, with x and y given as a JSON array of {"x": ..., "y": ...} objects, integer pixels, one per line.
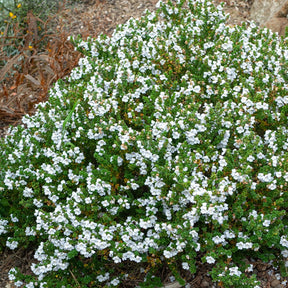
[{"x": 22, "y": 88}]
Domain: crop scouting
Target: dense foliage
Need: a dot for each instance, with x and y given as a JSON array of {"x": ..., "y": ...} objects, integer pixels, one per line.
[{"x": 166, "y": 145}]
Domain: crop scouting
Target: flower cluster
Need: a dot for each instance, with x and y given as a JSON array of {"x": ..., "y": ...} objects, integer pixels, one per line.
[{"x": 166, "y": 145}]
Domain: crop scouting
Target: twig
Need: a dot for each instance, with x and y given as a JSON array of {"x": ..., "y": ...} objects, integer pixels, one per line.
[{"x": 78, "y": 284}]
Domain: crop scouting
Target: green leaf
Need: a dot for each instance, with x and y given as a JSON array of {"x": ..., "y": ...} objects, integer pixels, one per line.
[{"x": 72, "y": 253}]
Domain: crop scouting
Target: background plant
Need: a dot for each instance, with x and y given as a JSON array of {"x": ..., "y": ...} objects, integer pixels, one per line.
[
  {"x": 27, "y": 26},
  {"x": 166, "y": 146},
  {"x": 33, "y": 55},
  {"x": 23, "y": 25}
]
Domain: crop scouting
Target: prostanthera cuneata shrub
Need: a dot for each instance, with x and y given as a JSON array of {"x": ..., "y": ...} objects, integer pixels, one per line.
[{"x": 167, "y": 144}]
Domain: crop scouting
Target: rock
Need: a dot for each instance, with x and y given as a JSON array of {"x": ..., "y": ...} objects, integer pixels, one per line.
[
  {"x": 173, "y": 285},
  {"x": 275, "y": 283},
  {"x": 278, "y": 21},
  {"x": 261, "y": 10},
  {"x": 277, "y": 24},
  {"x": 205, "y": 284},
  {"x": 261, "y": 267},
  {"x": 261, "y": 274},
  {"x": 283, "y": 10},
  {"x": 271, "y": 14}
]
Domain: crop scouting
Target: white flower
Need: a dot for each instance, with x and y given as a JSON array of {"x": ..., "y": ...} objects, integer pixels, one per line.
[
  {"x": 250, "y": 158},
  {"x": 18, "y": 283},
  {"x": 210, "y": 260},
  {"x": 125, "y": 98},
  {"x": 116, "y": 259},
  {"x": 240, "y": 129},
  {"x": 244, "y": 245},
  {"x": 14, "y": 219},
  {"x": 249, "y": 268},
  {"x": 229, "y": 234},
  {"x": 115, "y": 282},
  {"x": 197, "y": 89},
  {"x": 234, "y": 271},
  {"x": 29, "y": 231},
  {"x": 11, "y": 274},
  {"x": 185, "y": 266},
  {"x": 218, "y": 240},
  {"x": 253, "y": 185},
  {"x": 105, "y": 203},
  {"x": 28, "y": 192},
  {"x": 266, "y": 223},
  {"x": 3, "y": 226},
  {"x": 278, "y": 174},
  {"x": 167, "y": 254},
  {"x": 272, "y": 186},
  {"x": 284, "y": 241},
  {"x": 11, "y": 244},
  {"x": 285, "y": 253},
  {"x": 102, "y": 278},
  {"x": 228, "y": 45},
  {"x": 139, "y": 108}
]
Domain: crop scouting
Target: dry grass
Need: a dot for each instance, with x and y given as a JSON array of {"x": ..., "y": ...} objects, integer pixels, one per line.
[{"x": 42, "y": 59}]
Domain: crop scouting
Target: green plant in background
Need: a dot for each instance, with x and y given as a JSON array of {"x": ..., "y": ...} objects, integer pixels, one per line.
[
  {"x": 8, "y": 20},
  {"x": 167, "y": 145},
  {"x": 23, "y": 25},
  {"x": 18, "y": 9}
]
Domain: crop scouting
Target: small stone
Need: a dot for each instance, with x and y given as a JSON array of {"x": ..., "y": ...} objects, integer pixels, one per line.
[
  {"x": 261, "y": 267},
  {"x": 261, "y": 274},
  {"x": 275, "y": 283},
  {"x": 173, "y": 285},
  {"x": 205, "y": 284},
  {"x": 261, "y": 10}
]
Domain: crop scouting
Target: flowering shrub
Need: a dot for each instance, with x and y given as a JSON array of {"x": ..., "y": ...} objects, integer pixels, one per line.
[{"x": 167, "y": 144}]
